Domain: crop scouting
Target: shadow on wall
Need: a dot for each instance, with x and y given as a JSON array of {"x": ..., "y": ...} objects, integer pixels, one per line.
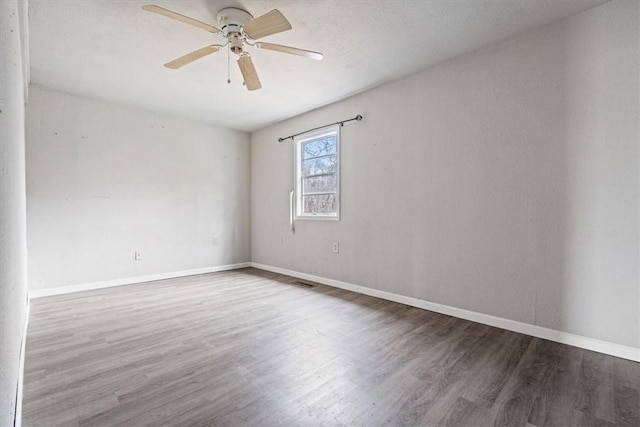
[{"x": 599, "y": 284}]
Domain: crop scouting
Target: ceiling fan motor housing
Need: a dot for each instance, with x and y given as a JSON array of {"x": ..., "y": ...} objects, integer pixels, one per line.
[{"x": 232, "y": 20}]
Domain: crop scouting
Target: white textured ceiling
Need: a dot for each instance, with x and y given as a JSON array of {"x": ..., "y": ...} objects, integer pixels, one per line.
[{"x": 113, "y": 50}]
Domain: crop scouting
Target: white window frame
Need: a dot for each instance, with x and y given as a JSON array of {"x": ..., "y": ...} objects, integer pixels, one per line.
[{"x": 298, "y": 141}]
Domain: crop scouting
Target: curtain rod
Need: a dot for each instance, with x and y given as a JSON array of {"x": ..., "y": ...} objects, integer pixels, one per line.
[{"x": 358, "y": 118}]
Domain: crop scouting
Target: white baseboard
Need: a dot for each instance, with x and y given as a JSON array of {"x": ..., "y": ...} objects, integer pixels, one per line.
[
  {"x": 605, "y": 347},
  {"x": 39, "y": 293},
  {"x": 23, "y": 350}
]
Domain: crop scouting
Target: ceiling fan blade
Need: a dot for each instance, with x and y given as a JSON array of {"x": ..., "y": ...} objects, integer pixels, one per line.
[
  {"x": 292, "y": 50},
  {"x": 190, "y": 57},
  {"x": 249, "y": 73},
  {"x": 174, "y": 15},
  {"x": 270, "y": 23}
]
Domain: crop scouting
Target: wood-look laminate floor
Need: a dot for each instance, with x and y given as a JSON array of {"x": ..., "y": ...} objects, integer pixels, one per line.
[{"x": 249, "y": 347}]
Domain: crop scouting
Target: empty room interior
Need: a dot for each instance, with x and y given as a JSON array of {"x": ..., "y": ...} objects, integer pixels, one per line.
[{"x": 320, "y": 213}]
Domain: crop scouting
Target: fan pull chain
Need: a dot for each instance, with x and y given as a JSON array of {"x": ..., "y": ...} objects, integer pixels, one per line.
[{"x": 229, "y": 65}]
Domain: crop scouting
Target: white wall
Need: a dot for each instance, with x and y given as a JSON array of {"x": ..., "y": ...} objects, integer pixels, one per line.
[
  {"x": 104, "y": 181},
  {"x": 13, "y": 247},
  {"x": 503, "y": 182}
]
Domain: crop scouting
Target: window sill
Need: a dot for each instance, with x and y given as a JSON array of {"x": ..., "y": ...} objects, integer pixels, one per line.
[{"x": 318, "y": 218}]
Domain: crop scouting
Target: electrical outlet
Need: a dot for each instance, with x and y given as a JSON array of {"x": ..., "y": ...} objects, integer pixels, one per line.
[
  {"x": 137, "y": 255},
  {"x": 215, "y": 240},
  {"x": 335, "y": 248}
]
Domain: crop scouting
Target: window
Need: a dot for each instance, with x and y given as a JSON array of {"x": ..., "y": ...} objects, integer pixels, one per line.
[{"x": 317, "y": 174}]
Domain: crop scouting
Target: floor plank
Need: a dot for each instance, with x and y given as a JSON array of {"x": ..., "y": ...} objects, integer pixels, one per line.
[{"x": 250, "y": 347}]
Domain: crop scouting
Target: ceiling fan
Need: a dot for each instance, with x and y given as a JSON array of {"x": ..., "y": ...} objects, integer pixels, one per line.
[{"x": 240, "y": 29}]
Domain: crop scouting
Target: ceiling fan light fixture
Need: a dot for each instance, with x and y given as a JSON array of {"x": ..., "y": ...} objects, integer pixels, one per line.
[{"x": 235, "y": 43}]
